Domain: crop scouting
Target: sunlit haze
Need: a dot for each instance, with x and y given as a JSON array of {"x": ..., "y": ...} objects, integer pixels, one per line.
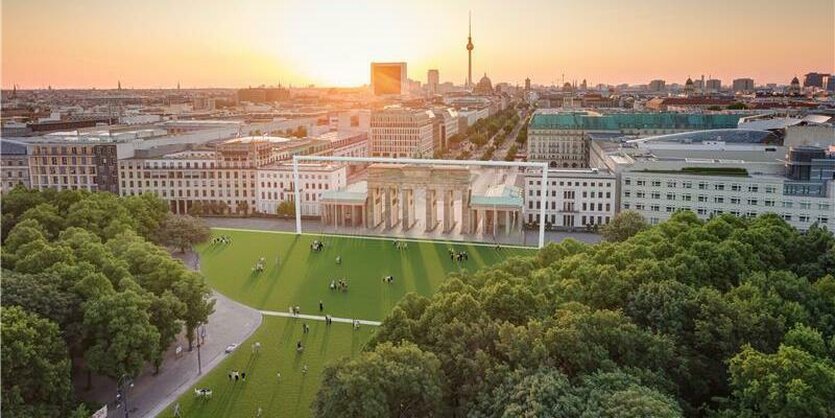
[{"x": 215, "y": 43}]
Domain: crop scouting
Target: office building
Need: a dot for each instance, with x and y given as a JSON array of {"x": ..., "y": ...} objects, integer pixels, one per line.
[
  {"x": 743, "y": 85},
  {"x": 527, "y": 84},
  {"x": 741, "y": 172},
  {"x": 814, "y": 80},
  {"x": 402, "y": 133},
  {"x": 388, "y": 78},
  {"x": 713, "y": 85},
  {"x": 433, "y": 80},
  {"x": 657, "y": 86},
  {"x": 263, "y": 94}
]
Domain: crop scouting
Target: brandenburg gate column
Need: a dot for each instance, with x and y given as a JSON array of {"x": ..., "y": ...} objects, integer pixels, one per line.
[
  {"x": 387, "y": 207},
  {"x": 371, "y": 207},
  {"x": 449, "y": 216},
  {"x": 465, "y": 210},
  {"x": 408, "y": 211},
  {"x": 431, "y": 209}
]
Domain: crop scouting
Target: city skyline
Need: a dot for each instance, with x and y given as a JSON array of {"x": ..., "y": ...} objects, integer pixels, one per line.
[{"x": 150, "y": 45}]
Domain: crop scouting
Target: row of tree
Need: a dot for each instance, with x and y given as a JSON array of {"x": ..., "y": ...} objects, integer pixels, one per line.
[
  {"x": 726, "y": 317},
  {"x": 85, "y": 288}
]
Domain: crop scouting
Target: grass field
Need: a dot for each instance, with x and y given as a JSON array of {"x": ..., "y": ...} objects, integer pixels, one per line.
[
  {"x": 289, "y": 396},
  {"x": 301, "y": 277}
]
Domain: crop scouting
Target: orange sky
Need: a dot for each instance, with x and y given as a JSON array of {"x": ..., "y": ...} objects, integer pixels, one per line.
[{"x": 220, "y": 43}]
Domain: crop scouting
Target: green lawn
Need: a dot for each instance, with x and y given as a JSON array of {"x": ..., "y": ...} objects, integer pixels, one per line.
[
  {"x": 302, "y": 277},
  {"x": 289, "y": 396}
]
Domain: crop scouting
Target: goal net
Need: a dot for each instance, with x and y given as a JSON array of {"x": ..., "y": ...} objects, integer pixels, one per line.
[{"x": 489, "y": 202}]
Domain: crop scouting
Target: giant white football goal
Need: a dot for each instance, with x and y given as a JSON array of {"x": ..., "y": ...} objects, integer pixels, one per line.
[{"x": 449, "y": 200}]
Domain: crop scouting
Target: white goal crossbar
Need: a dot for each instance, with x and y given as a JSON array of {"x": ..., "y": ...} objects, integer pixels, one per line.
[{"x": 543, "y": 166}]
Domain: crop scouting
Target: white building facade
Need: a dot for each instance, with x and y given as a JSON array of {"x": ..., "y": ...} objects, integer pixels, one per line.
[
  {"x": 576, "y": 199},
  {"x": 275, "y": 185}
]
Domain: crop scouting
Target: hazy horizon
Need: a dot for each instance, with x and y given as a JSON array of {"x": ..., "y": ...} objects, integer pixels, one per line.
[{"x": 215, "y": 44}]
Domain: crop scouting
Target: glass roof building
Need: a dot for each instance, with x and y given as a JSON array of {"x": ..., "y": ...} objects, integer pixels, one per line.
[
  {"x": 729, "y": 136},
  {"x": 632, "y": 121}
]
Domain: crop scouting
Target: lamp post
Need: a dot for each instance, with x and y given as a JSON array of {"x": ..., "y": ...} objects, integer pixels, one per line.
[{"x": 124, "y": 383}]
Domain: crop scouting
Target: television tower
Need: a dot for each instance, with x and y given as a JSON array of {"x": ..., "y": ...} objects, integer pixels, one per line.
[{"x": 470, "y": 52}]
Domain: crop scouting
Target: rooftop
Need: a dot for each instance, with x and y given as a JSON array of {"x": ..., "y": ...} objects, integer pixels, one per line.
[
  {"x": 620, "y": 121},
  {"x": 251, "y": 139},
  {"x": 734, "y": 136},
  {"x": 499, "y": 195},
  {"x": 353, "y": 193}
]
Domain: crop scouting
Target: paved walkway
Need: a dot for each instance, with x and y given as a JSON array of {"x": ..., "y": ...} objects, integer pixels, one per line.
[
  {"x": 321, "y": 318},
  {"x": 231, "y": 323}
]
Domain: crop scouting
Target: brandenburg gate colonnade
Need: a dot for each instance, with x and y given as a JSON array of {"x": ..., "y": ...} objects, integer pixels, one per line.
[
  {"x": 392, "y": 190},
  {"x": 387, "y": 200}
]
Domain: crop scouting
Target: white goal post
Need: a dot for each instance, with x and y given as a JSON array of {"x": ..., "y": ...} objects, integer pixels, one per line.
[{"x": 543, "y": 166}]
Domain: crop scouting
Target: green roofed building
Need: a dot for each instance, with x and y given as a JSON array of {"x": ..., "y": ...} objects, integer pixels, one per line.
[{"x": 561, "y": 138}]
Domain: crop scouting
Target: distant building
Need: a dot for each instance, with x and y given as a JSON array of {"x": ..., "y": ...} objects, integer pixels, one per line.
[
  {"x": 401, "y": 132},
  {"x": 484, "y": 86},
  {"x": 433, "y": 80},
  {"x": 527, "y": 84},
  {"x": 688, "y": 103},
  {"x": 743, "y": 85},
  {"x": 260, "y": 95},
  {"x": 657, "y": 86},
  {"x": 14, "y": 165},
  {"x": 388, "y": 78},
  {"x": 794, "y": 86},
  {"x": 713, "y": 85},
  {"x": 814, "y": 80}
]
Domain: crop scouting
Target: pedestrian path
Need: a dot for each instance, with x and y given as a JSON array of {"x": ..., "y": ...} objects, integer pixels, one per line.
[{"x": 320, "y": 318}]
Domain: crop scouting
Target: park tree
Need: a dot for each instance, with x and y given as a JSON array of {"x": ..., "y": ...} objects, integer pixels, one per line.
[
  {"x": 789, "y": 383},
  {"x": 544, "y": 392},
  {"x": 47, "y": 216},
  {"x": 623, "y": 226},
  {"x": 183, "y": 231},
  {"x": 393, "y": 381},
  {"x": 35, "y": 366},
  {"x": 286, "y": 208},
  {"x": 123, "y": 338},
  {"x": 196, "y": 209},
  {"x": 149, "y": 211},
  {"x": 192, "y": 290},
  {"x": 165, "y": 313}
]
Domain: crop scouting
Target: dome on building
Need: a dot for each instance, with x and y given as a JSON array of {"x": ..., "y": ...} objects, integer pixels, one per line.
[
  {"x": 484, "y": 86},
  {"x": 689, "y": 82},
  {"x": 795, "y": 81}
]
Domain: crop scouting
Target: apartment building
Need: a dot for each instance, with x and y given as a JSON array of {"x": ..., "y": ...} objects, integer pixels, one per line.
[
  {"x": 575, "y": 199},
  {"x": 222, "y": 178}
]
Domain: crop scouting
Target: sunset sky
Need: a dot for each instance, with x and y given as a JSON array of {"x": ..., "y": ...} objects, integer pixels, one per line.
[{"x": 221, "y": 43}]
